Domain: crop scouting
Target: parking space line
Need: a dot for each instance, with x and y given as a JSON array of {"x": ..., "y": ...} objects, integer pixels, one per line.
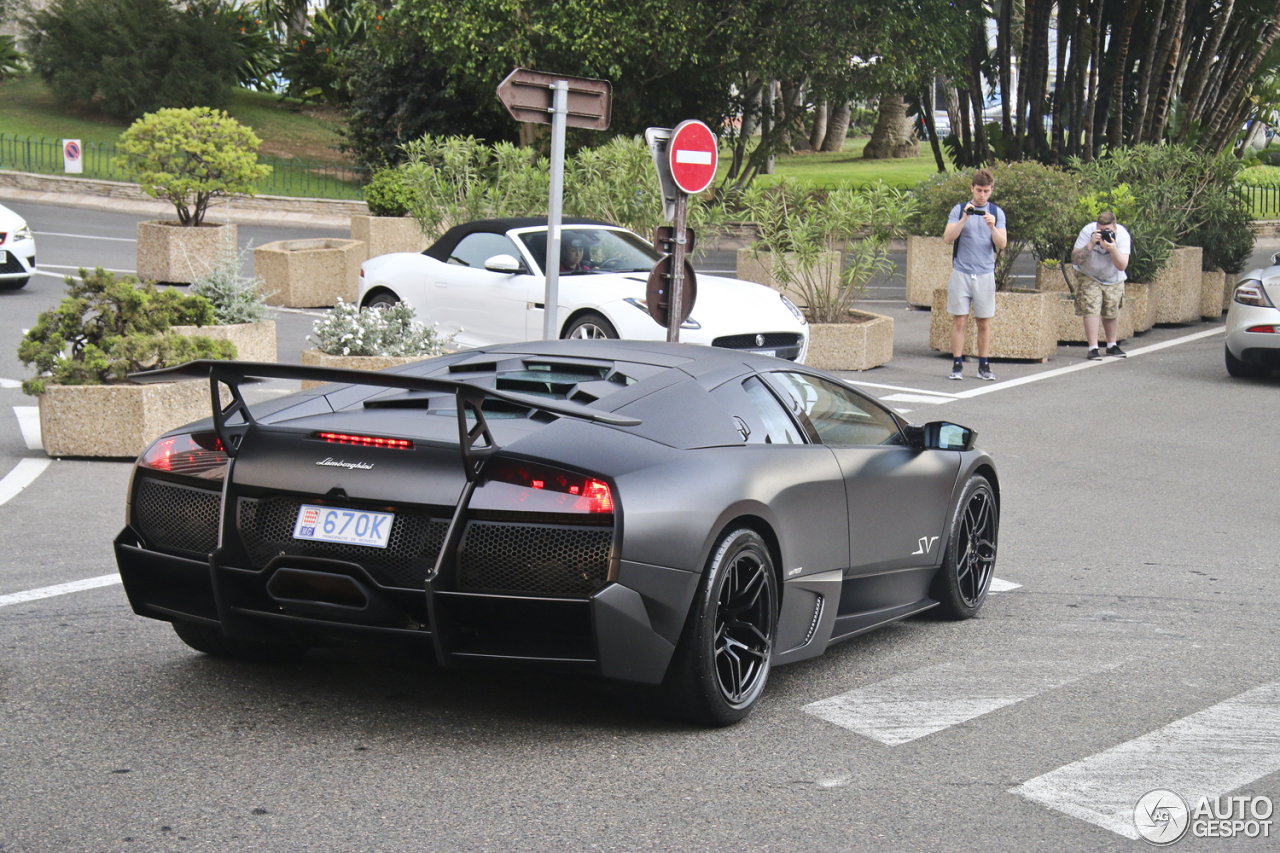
[
  {"x": 85, "y": 237},
  {"x": 75, "y": 269},
  {"x": 998, "y": 585},
  {"x": 10, "y": 383},
  {"x": 22, "y": 475},
  {"x": 60, "y": 589},
  {"x": 910, "y": 706},
  {"x": 1209, "y": 754},
  {"x": 29, "y": 423}
]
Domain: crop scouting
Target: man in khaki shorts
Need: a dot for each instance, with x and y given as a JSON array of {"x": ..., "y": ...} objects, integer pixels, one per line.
[{"x": 1101, "y": 255}]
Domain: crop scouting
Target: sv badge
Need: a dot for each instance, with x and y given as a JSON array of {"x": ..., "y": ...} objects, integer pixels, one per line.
[{"x": 926, "y": 545}]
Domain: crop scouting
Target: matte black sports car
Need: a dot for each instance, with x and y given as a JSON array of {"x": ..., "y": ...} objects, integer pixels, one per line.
[{"x": 664, "y": 514}]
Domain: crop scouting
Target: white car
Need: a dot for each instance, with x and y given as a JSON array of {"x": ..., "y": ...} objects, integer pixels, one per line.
[
  {"x": 17, "y": 250},
  {"x": 1253, "y": 324},
  {"x": 483, "y": 283}
]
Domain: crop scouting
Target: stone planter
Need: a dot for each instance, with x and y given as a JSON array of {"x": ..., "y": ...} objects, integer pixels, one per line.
[
  {"x": 1229, "y": 290},
  {"x": 1071, "y": 327},
  {"x": 1049, "y": 279},
  {"x": 254, "y": 341},
  {"x": 865, "y": 343},
  {"x": 1213, "y": 294},
  {"x": 383, "y": 235},
  {"x": 116, "y": 420},
  {"x": 1141, "y": 301},
  {"x": 1025, "y": 326},
  {"x": 168, "y": 252},
  {"x": 759, "y": 268},
  {"x": 309, "y": 273},
  {"x": 928, "y": 268},
  {"x": 1177, "y": 287},
  {"x": 315, "y": 358}
]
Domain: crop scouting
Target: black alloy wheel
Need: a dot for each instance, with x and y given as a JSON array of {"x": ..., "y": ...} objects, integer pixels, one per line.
[
  {"x": 382, "y": 299},
  {"x": 723, "y": 661},
  {"x": 969, "y": 562}
]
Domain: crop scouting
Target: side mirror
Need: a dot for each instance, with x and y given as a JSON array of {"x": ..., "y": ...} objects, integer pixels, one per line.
[
  {"x": 1275, "y": 259},
  {"x": 940, "y": 435},
  {"x": 504, "y": 263}
]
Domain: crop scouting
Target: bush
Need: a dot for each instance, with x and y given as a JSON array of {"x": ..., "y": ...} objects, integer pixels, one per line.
[
  {"x": 1260, "y": 176},
  {"x": 347, "y": 329},
  {"x": 132, "y": 56},
  {"x": 235, "y": 299},
  {"x": 191, "y": 156},
  {"x": 1040, "y": 205},
  {"x": 11, "y": 63},
  {"x": 106, "y": 328},
  {"x": 387, "y": 194}
]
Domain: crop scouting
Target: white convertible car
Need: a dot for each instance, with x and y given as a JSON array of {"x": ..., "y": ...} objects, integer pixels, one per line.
[{"x": 483, "y": 282}]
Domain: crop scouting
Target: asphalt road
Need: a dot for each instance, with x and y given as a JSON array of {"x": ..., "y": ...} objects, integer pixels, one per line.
[{"x": 1139, "y": 650}]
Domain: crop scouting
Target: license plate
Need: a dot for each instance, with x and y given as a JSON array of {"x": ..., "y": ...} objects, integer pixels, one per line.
[
  {"x": 4, "y": 257},
  {"x": 348, "y": 526},
  {"x": 766, "y": 352}
]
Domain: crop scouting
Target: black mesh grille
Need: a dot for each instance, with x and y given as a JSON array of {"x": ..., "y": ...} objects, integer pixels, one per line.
[
  {"x": 11, "y": 264},
  {"x": 266, "y": 529},
  {"x": 537, "y": 559},
  {"x": 771, "y": 340},
  {"x": 170, "y": 516}
]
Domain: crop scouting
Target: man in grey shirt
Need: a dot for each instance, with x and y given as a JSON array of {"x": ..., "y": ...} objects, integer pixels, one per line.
[
  {"x": 1101, "y": 255},
  {"x": 979, "y": 226}
]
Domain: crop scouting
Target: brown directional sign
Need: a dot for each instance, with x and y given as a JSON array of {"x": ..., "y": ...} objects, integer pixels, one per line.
[
  {"x": 527, "y": 96},
  {"x": 658, "y": 286}
]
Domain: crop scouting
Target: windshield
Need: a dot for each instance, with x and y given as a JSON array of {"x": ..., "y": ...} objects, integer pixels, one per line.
[{"x": 585, "y": 251}]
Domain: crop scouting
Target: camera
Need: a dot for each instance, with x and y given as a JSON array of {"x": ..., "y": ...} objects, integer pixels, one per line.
[
  {"x": 1107, "y": 235},
  {"x": 971, "y": 210}
]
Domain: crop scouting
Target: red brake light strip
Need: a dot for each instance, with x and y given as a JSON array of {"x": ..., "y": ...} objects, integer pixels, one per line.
[{"x": 366, "y": 440}]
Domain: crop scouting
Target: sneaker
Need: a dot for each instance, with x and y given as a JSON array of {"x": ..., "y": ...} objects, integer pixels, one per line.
[
  {"x": 985, "y": 373},
  {"x": 957, "y": 373},
  {"x": 1115, "y": 352},
  {"x": 1094, "y": 355}
]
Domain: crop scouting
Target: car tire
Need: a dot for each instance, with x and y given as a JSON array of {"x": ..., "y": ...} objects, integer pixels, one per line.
[
  {"x": 14, "y": 284},
  {"x": 1242, "y": 369},
  {"x": 725, "y": 652},
  {"x": 211, "y": 641},
  {"x": 591, "y": 327},
  {"x": 969, "y": 561},
  {"x": 382, "y": 299}
]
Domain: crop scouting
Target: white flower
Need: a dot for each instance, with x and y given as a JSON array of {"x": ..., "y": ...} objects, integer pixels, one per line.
[{"x": 346, "y": 350}]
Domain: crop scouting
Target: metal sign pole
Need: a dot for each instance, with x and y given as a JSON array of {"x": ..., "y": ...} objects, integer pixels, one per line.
[
  {"x": 674, "y": 318},
  {"x": 551, "y": 300}
]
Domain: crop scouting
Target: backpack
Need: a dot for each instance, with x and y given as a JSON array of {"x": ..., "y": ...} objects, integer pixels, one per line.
[{"x": 995, "y": 210}]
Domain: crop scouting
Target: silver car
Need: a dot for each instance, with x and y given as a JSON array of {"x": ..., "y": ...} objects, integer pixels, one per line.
[
  {"x": 17, "y": 250},
  {"x": 1253, "y": 324}
]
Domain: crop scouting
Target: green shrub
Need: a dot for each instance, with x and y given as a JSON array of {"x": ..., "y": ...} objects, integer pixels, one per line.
[
  {"x": 347, "y": 329},
  {"x": 235, "y": 299},
  {"x": 1260, "y": 176},
  {"x": 131, "y": 57},
  {"x": 11, "y": 63},
  {"x": 106, "y": 328},
  {"x": 387, "y": 194},
  {"x": 191, "y": 156}
]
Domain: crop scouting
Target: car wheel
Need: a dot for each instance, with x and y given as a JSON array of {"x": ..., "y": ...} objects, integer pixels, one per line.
[
  {"x": 722, "y": 663},
  {"x": 591, "y": 327},
  {"x": 211, "y": 641},
  {"x": 969, "y": 562},
  {"x": 14, "y": 283},
  {"x": 382, "y": 299},
  {"x": 1243, "y": 369}
]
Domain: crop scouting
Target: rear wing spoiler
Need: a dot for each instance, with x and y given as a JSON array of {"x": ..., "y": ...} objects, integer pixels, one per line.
[{"x": 470, "y": 398}]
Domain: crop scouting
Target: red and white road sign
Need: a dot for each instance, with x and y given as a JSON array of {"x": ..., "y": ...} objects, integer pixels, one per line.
[{"x": 693, "y": 155}]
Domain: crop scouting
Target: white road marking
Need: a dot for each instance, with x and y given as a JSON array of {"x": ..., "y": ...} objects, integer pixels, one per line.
[
  {"x": 77, "y": 268},
  {"x": 917, "y": 398},
  {"x": 10, "y": 383},
  {"x": 29, "y": 423},
  {"x": 1206, "y": 754},
  {"x": 911, "y": 706},
  {"x": 60, "y": 589},
  {"x": 85, "y": 237},
  {"x": 22, "y": 475},
  {"x": 998, "y": 585},
  {"x": 900, "y": 388}
]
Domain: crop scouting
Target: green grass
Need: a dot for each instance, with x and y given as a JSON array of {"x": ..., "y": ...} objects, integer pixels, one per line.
[{"x": 849, "y": 167}]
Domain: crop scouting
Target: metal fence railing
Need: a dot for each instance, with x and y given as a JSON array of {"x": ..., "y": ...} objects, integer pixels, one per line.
[
  {"x": 1263, "y": 202},
  {"x": 288, "y": 176}
]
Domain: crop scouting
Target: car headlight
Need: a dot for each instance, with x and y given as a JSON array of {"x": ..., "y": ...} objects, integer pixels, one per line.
[
  {"x": 794, "y": 309},
  {"x": 23, "y": 233},
  {"x": 1252, "y": 293},
  {"x": 689, "y": 322}
]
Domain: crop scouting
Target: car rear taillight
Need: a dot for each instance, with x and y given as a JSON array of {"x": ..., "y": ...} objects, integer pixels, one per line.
[
  {"x": 365, "y": 440},
  {"x": 199, "y": 455},
  {"x": 1252, "y": 293},
  {"x": 538, "y": 488},
  {"x": 1269, "y": 330}
]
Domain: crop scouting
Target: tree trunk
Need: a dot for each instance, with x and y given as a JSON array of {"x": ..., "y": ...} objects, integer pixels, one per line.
[
  {"x": 1144, "y": 80},
  {"x": 926, "y": 109},
  {"x": 1197, "y": 78},
  {"x": 1215, "y": 128},
  {"x": 1066, "y": 16},
  {"x": 1089, "y": 143},
  {"x": 838, "y": 127},
  {"x": 819, "y": 133},
  {"x": 1004, "y": 49},
  {"x": 1121, "y": 40},
  {"x": 793, "y": 114},
  {"x": 894, "y": 135},
  {"x": 1163, "y": 70}
]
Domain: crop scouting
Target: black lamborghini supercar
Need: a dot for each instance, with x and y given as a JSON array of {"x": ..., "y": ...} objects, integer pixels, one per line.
[{"x": 656, "y": 513}]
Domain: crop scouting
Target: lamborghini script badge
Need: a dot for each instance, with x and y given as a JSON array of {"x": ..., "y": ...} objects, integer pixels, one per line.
[{"x": 339, "y": 463}]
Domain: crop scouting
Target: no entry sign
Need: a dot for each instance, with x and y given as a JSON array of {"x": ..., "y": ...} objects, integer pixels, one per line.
[{"x": 692, "y": 155}]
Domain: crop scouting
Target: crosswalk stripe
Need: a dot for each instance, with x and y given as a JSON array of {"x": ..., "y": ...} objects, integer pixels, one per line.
[
  {"x": 910, "y": 706},
  {"x": 1206, "y": 754}
]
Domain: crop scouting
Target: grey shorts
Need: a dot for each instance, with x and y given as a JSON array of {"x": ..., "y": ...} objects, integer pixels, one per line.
[{"x": 965, "y": 290}]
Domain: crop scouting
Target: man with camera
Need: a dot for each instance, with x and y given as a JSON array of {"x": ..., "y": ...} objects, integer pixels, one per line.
[
  {"x": 977, "y": 228},
  {"x": 1101, "y": 255}
]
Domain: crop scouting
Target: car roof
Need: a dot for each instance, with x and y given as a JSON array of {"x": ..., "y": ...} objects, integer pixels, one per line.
[{"x": 441, "y": 249}]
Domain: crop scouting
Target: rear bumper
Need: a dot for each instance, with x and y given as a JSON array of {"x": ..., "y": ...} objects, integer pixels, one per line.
[{"x": 626, "y": 630}]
